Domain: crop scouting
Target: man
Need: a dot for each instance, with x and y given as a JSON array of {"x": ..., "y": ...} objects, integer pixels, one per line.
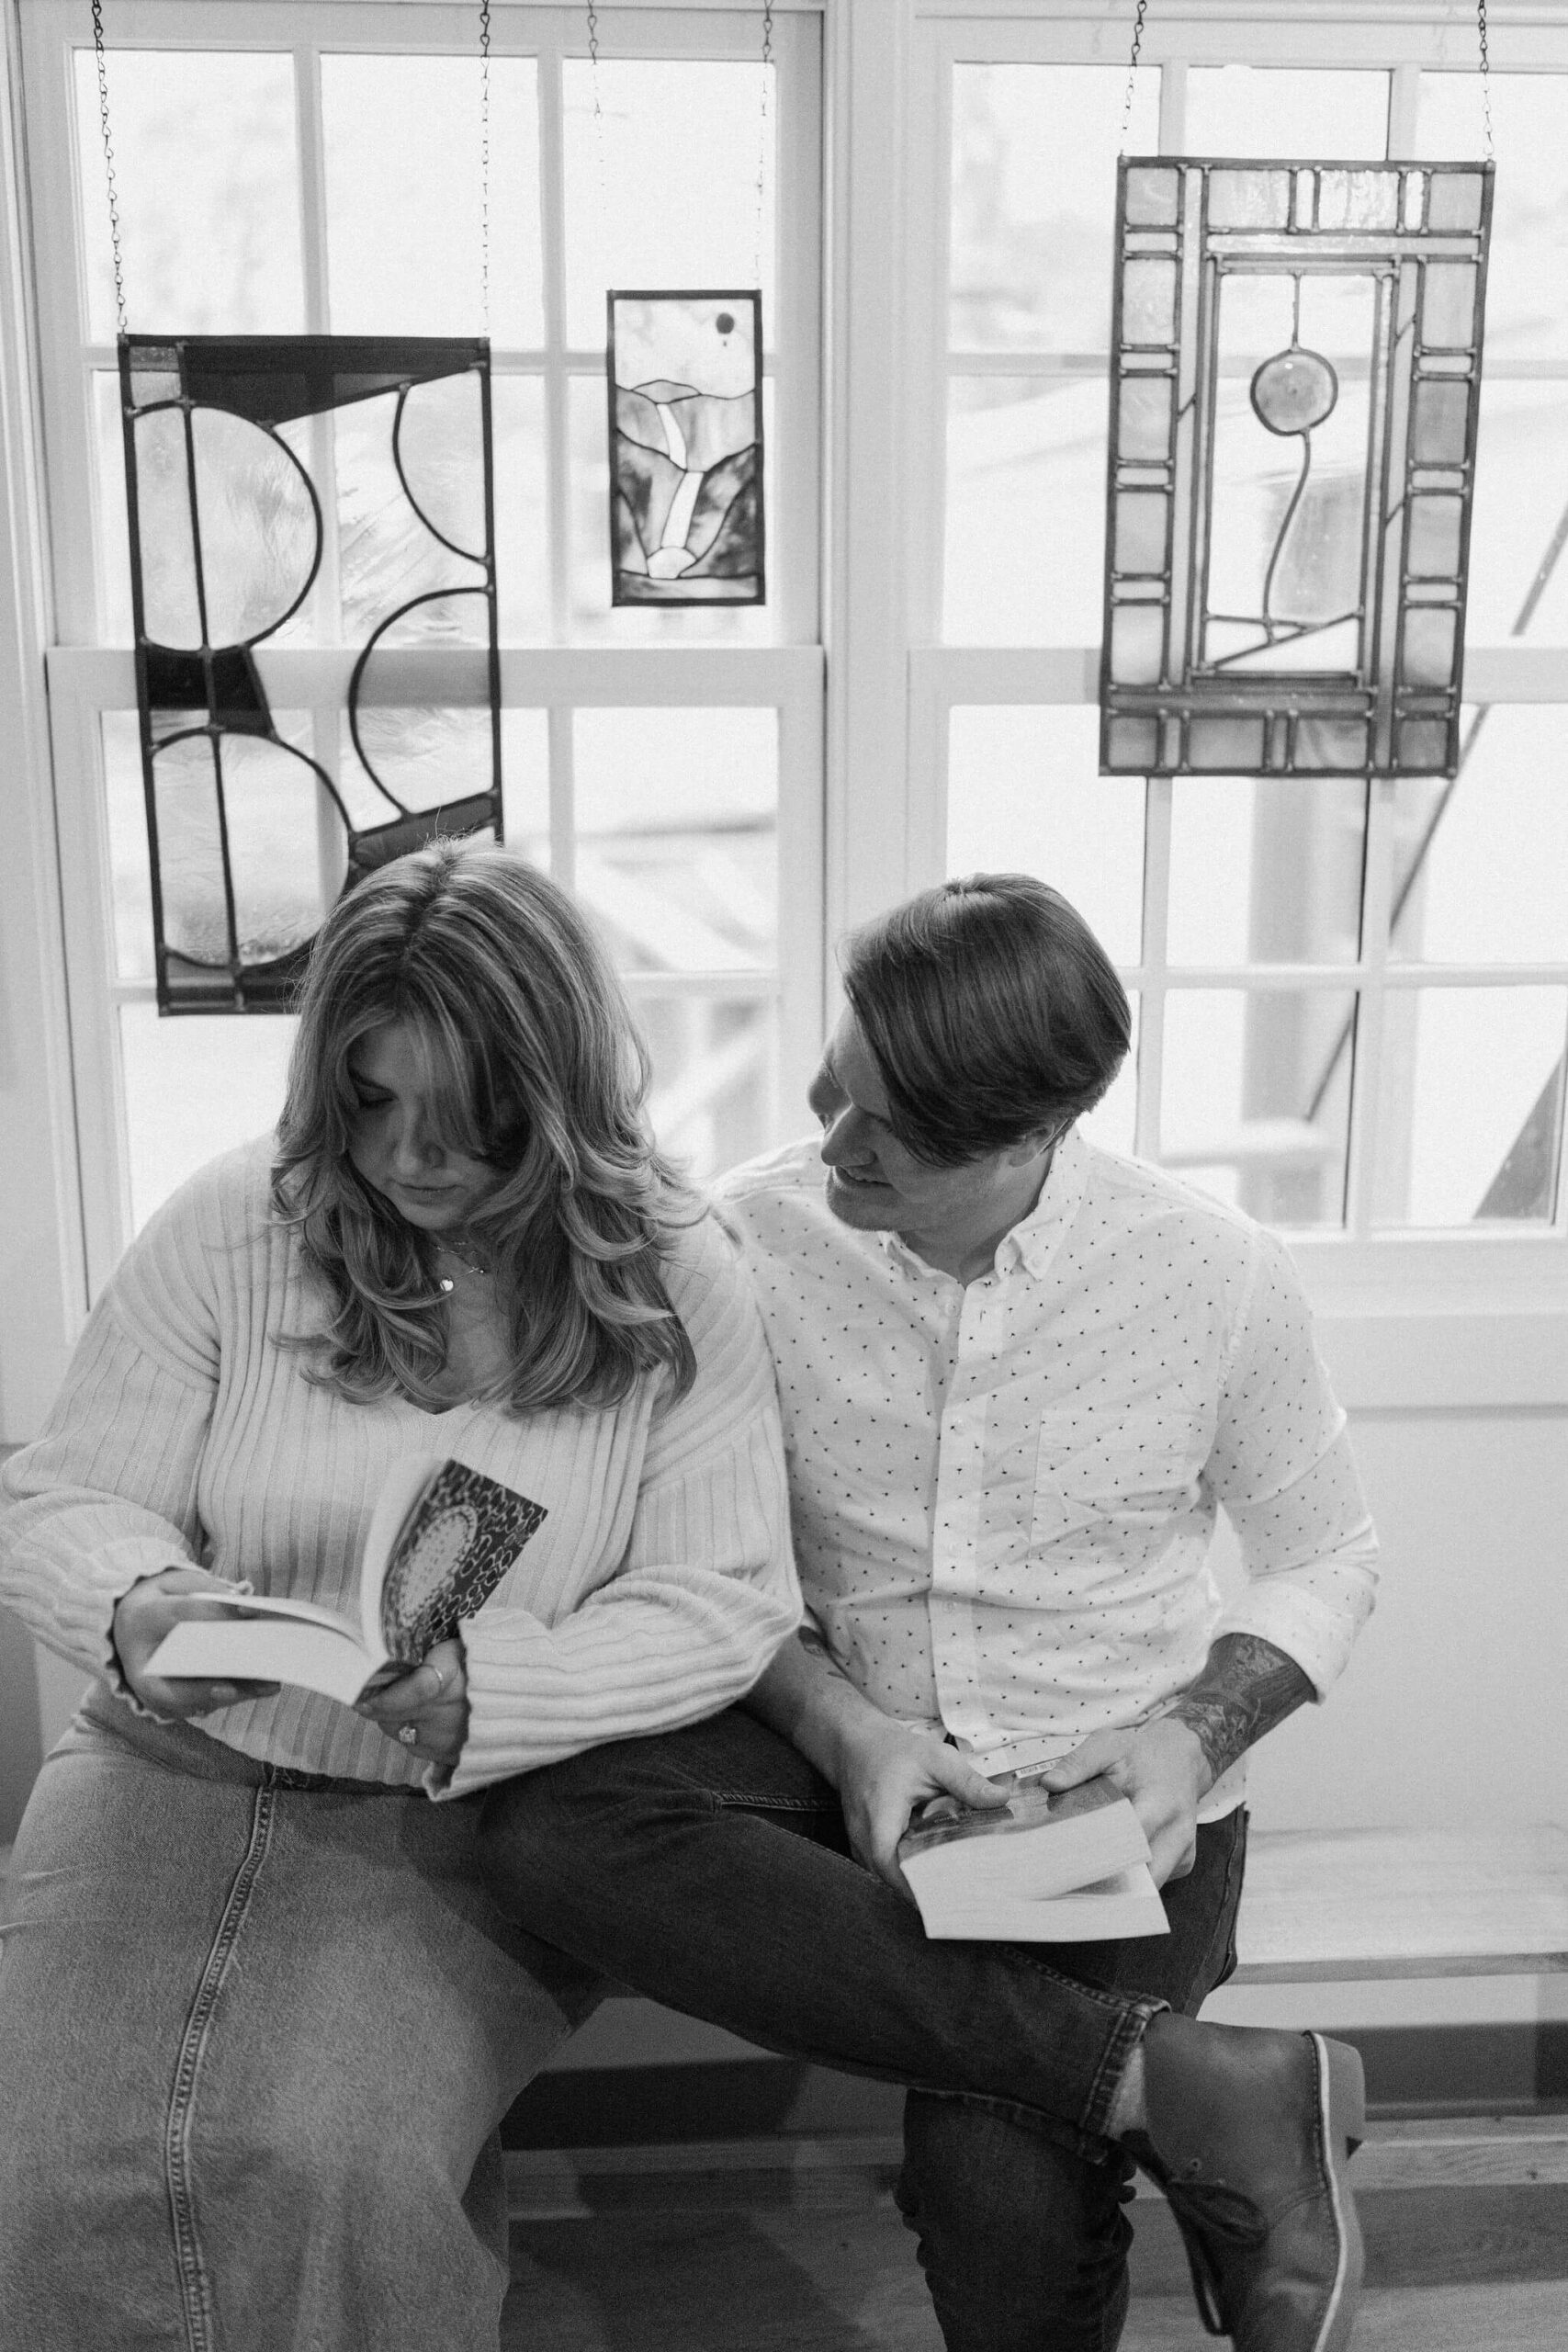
[{"x": 1017, "y": 1376}]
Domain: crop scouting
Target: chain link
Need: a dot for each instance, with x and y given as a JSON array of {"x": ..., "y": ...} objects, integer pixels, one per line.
[
  {"x": 484, "y": 162},
  {"x": 762, "y": 135},
  {"x": 1132, "y": 71},
  {"x": 109, "y": 163},
  {"x": 1485, "y": 78}
]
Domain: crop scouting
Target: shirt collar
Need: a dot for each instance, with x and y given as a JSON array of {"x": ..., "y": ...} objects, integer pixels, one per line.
[{"x": 1034, "y": 1242}]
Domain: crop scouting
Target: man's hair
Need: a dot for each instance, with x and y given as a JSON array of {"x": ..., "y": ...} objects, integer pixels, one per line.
[
  {"x": 991, "y": 1010},
  {"x": 536, "y": 1067}
]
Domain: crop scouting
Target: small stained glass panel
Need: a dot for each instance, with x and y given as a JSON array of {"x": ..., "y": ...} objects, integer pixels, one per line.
[
  {"x": 685, "y": 383},
  {"x": 1306, "y": 517},
  {"x": 1469, "y": 1125},
  {"x": 1256, "y": 1095}
]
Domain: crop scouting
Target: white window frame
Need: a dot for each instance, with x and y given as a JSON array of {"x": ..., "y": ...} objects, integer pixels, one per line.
[
  {"x": 1420, "y": 1318},
  {"x": 1407, "y": 1321},
  {"x": 86, "y": 679}
]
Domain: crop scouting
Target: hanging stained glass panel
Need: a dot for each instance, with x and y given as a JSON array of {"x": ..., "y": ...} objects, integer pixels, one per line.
[
  {"x": 1294, "y": 389},
  {"x": 261, "y": 472},
  {"x": 685, "y": 387}
]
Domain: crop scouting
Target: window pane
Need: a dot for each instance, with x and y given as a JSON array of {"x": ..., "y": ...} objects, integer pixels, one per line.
[
  {"x": 1266, "y": 111},
  {"x": 1470, "y": 1109},
  {"x": 525, "y": 783},
  {"x": 1255, "y": 1099},
  {"x": 715, "y": 1078},
  {"x": 593, "y": 619},
  {"x": 1266, "y": 871},
  {"x": 662, "y": 191},
  {"x": 1527, "y": 272},
  {"x": 1025, "y": 511},
  {"x": 403, "y": 175},
  {"x": 1481, "y": 864},
  {"x": 193, "y": 1088},
  {"x": 677, "y": 838},
  {"x": 522, "y": 516},
  {"x": 1112, "y": 1124},
  {"x": 1023, "y": 796},
  {"x": 1031, "y": 211},
  {"x": 206, "y": 170}
]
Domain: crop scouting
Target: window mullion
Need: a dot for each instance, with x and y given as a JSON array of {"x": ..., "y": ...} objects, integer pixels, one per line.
[
  {"x": 1151, "y": 1010},
  {"x": 557, "y": 417},
  {"x": 1173, "y": 107},
  {"x": 1367, "y": 1045}
]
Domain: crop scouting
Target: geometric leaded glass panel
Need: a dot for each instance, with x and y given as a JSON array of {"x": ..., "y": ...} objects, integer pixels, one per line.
[
  {"x": 250, "y": 461},
  {"x": 1295, "y": 385},
  {"x": 685, "y": 376}
]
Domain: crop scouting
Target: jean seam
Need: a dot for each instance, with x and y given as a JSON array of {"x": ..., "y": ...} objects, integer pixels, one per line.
[{"x": 196, "y": 2294}]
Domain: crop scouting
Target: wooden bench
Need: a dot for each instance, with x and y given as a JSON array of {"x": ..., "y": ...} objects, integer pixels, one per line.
[{"x": 1335, "y": 1909}]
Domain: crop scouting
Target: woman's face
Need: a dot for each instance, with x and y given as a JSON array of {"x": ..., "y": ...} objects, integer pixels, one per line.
[{"x": 397, "y": 1144}]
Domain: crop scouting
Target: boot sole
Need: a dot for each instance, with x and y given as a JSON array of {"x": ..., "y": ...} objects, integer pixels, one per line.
[{"x": 1342, "y": 2104}]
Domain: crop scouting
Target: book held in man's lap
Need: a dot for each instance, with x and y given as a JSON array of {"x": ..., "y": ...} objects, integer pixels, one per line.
[
  {"x": 1071, "y": 1867},
  {"x": 441, "y": 1538}
]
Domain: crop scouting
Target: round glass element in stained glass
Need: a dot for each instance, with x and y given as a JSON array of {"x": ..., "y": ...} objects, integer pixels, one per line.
[{"x": 1294, "y": 391}]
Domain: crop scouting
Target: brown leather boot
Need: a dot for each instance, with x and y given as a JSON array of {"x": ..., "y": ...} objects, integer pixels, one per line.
[{"x": 1248, "y": 2132}]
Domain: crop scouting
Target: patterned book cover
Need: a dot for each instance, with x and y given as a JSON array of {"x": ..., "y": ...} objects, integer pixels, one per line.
[{"x": 456, "y": 1546}]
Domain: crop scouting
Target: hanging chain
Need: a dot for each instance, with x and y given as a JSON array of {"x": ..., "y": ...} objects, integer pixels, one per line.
[
  {"x": 109, "y": 163},
  {"x": 484, "y": 162},
  {"x": 598, "y": 115},
  {"x": 1132, "y": 71},
  {"x": 1485, "y": 78},
  {"x": 762, "y": 134}
]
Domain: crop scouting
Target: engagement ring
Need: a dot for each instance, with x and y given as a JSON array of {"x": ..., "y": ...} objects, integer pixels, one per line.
[{"x": 407, "y": 1734}]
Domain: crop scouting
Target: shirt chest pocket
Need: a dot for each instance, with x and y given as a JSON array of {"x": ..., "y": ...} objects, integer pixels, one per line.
[{"x": 1129, "y": 1481}]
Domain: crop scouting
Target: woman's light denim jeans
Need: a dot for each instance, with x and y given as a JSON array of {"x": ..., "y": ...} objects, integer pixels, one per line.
[{"x": 257, "y": 2032}]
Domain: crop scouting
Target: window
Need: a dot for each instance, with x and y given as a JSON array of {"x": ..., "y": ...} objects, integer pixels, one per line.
[
  {"x": 1352, "y": 1003},
  {"x": 316, "y": 169}
]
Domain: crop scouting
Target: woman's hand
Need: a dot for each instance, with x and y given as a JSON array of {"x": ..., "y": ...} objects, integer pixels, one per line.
[
  {"x": 431, "y": 1701},
  {"x": 883, "y": 1772},
  {"x": 149, "y": 1610}
]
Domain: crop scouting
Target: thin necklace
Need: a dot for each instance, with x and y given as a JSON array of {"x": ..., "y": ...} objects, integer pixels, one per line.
[{"x": 468, "y": 1259}]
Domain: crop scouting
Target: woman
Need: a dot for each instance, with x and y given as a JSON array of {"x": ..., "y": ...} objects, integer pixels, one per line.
[{"x": 258, "y": 2020}]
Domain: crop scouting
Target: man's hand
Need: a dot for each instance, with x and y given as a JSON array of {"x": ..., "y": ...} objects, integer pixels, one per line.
[
  {"x": 151, "y": 1608},
  {"x": 883, "y": 1772},
  {"x": 432, "y": 1701},
  {"x": 1161, "y": 1766}
]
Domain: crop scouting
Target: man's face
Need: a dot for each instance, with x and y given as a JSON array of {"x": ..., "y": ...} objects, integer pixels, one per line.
[{"x": 877, "y": 1186}]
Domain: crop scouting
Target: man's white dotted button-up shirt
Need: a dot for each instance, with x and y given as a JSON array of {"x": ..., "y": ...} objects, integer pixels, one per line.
[{"x": 1003, "y": 1494}]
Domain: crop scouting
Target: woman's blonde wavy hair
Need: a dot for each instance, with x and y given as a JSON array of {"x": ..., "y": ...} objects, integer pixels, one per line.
[{"x": 535, "y": 1066}]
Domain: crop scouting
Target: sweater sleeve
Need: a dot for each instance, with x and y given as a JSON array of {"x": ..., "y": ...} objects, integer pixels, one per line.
[
  {"x": 106, "y": 1494},
  {"x": 705, "y": 1592}
]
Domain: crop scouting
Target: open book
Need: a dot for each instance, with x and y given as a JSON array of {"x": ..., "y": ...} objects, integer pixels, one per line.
[
  {"x": 441, "y": 1538},
  {"x": 1040, "y": 1868}
]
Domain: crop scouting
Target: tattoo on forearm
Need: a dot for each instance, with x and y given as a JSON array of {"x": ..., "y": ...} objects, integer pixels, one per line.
[{"x": 1246, "y": 1687}]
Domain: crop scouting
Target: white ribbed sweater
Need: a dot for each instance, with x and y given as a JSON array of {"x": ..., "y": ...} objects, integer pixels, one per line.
[{"x": 655, "y": 1592}]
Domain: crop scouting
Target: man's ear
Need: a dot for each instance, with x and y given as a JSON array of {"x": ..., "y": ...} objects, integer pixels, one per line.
[{"x": 1036, "y": 1145}]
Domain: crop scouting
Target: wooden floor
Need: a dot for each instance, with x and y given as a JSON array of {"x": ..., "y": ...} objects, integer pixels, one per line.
[{"x": 1485, "y": 2272}]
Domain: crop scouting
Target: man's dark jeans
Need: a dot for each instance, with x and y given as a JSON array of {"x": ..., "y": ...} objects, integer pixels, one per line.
[{"x": 708, "y": 1868}]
